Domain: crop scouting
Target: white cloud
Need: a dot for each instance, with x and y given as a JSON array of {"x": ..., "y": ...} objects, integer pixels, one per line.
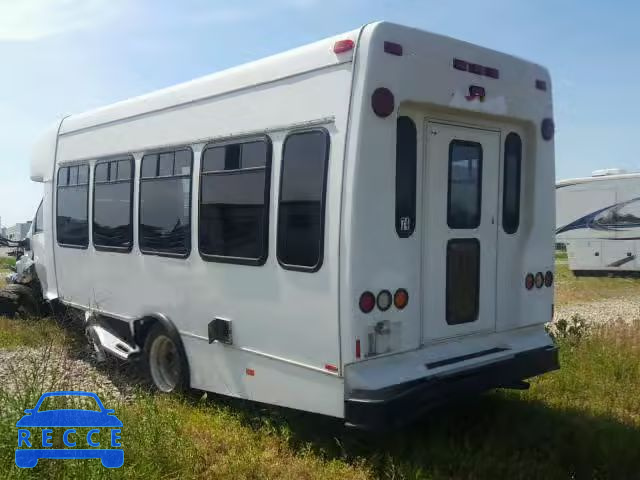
[{"x": 26, "y": 20}]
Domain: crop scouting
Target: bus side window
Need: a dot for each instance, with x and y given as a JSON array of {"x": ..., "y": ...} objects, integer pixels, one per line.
[
  {"x": 406, "y": 165},
  {"x": 113, "y": 205},
  {"x": 511, "y": 187},
  {"x": 165, "y": 203},
  {"x": 72, "y": 224},
  {"x": 234, "y": 202},
  {"x": 302, "y": 200}
]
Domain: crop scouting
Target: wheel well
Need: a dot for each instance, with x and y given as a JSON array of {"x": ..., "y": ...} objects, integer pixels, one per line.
[{"x": 142, "y": 326}]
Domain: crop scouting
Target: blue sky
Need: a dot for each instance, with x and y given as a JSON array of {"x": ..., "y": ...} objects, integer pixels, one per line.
[{"x": 66, "y": 56}]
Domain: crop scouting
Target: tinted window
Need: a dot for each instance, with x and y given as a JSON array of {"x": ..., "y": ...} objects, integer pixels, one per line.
[
  {"x": 165, "y": 204},
  {"x": 301, "y": 207},
  {"x": 465, "y": 180},
  {"x": 463, "y": 277},
  {"x": 72, "y": 225},
  {"x": 234, "y": 202},
  {"x": 406, "y": 161},
  {"x": 511, "y": 187},
  {"x": 112, "y": 205},
  {"x": 38, "y": 225}
]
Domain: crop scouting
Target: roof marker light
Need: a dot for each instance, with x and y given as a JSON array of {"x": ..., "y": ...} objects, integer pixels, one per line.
[
  {"x": 393, "y": 48},
  {"x": 342, "y": 46},
  {"x": 541, "y": 85}
]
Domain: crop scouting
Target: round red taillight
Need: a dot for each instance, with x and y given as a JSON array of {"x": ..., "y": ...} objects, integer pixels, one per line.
[
  {"x": 382, "y": 102},
  {"x": 401, "y": 298},
  {"x": 548, "y": 279},
  {"x": 529, "y": 281},
  {"x": 384, "y": 300},
  {"x": 367, "y": 302},
  {"x": 547, "y": 128},
  {"x": 539, "y": 280}
]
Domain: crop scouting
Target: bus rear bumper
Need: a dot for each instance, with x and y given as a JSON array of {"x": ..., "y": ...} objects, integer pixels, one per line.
[{"x": 394, "y": 406}]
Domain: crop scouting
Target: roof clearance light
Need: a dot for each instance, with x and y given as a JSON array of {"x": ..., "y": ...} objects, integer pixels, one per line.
[
  {"x": 477, "y": 69},
  {"x": 342, "y": 46},
  {"x": 460, "y": 64},
  {"x": 393, "y": 48},
  {"x": 541, "y": 85},
  {"x": 401, "y": 298},
  {"x": 382, "y": 102},
  {"x": 547, "y": 128},
  {"x": 367, "y": 302}
]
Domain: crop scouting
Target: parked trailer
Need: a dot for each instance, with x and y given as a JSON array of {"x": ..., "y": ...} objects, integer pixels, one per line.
[
  {"x": 361, "y": 227},
  {"x": 598, "y": 219}
]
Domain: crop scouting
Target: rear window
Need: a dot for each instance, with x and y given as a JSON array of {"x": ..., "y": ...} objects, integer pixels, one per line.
[
  {"x": 465, "y": 180},
  {"x": 511, "y": 187},
  {"x": 463, "y": 279},
  {"x": 406, "y": 161}
]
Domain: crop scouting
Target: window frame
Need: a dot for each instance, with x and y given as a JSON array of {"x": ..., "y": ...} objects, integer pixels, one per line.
[
  {"x": 509, "y": 231},
  {"x": 102, "y": 248},
  {"x": 88, "y": 184},
  {"x": 141, "y": 179},
  {"x": 37, "y": 228},
  {"x": 414, "y": 192},
  {"x": 267, "y": 198},
  {"x": 467, "y": 143},
  {"x": 323, "y": 202}
]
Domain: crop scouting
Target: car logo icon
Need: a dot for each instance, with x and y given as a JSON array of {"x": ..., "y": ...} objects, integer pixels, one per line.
[{"x": 28, "y": 452}]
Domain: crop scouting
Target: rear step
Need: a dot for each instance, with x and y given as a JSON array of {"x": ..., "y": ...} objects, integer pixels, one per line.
[{"x": 462, "y": 358}]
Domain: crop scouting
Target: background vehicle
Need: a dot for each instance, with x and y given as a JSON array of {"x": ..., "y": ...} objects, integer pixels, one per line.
[
  {"x": 598, "y": 219},
  {"x": 361, "y": 227}
]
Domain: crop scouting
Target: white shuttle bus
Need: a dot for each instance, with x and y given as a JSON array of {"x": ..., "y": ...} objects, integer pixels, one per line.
[
  {"x": 361, "y": 227},
  {"x": 598, "y": 221}
]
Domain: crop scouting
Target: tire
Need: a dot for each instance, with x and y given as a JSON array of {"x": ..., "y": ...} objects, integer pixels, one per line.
[
  {"x": 25, "y": 303},
  {"x": 165, "y": 361}
]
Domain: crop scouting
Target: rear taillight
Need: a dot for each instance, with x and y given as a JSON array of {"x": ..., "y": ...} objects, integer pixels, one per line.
[
  {"x": 401, "y": 298},
  {"x": 547, "y": 128},
  {"x": 548, "y": 279},
  {"x": 382, "y": 102},
  {"x": 539, "y": 280},
  {"x": 367, "y": 302},
  {"x": 529, "y": 281}
]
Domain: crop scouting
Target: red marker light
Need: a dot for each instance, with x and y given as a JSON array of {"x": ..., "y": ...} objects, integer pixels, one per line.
[
  {"x": 342, "y": 46},
  {"x": 250, "y": 371},
  {"x": 358, "y": 348},
  {"x": 367, "y": 302},
  {"x": 331, "y": 368}
]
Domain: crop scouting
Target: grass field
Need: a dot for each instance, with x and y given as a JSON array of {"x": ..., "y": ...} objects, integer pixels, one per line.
[
  {"x": 580, "y": 422},
  {"x": 572, "y": 289}
]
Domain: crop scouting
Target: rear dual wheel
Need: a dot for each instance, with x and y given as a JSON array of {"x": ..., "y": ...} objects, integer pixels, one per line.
[{"x": 165, "y": 360}]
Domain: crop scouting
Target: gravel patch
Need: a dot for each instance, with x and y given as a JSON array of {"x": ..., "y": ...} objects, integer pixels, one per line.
[
  {"x": 602, "y": 311},
  {"x": 53, "y": 368}
]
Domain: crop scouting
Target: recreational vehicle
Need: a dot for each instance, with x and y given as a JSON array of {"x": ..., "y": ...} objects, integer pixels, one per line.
[
  {"x": 598, "y": 221},
  {"x": 361, "y": 227}
]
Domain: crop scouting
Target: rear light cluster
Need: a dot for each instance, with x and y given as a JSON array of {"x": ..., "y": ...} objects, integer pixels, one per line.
[
  {"x": 538, "y": 280},
  {"x": 384, "y": 300}
]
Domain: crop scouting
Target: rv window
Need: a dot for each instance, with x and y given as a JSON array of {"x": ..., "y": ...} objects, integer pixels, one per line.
[
  {"x": 302, "y": 198},
  {"x": 165, "y": 203},
  {"x": 113, "y": 206},
  {"x": 72, "y": 225},
  {"x": 38, "y": 224},
  {"x": 463, "y": 277},
  {"x": 406, "y": 161},
  {"x": 465, "y": 180},
  {"x": 234, "y": 202},
  {"x": 511, "y": 187}
]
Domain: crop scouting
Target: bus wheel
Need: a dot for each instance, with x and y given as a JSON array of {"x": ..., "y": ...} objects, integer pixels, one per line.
[{"x": 166, "y": 362}]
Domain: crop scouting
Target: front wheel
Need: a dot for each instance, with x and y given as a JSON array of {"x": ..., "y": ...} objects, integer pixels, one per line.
[{"x": 166, "y": 362}]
